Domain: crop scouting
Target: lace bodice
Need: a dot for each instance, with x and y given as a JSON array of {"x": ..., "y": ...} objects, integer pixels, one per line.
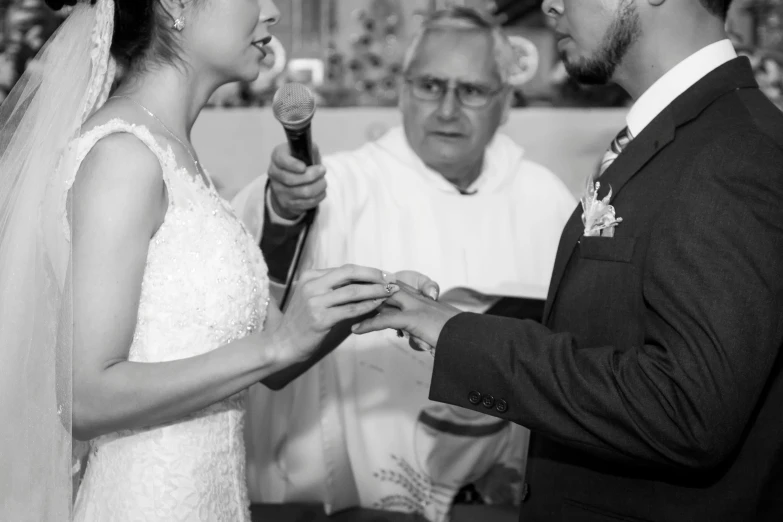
[{"x": 205, "y": 284}]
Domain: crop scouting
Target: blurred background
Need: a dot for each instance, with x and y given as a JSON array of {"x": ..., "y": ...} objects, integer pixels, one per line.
[{"x": 350, "y": 52}]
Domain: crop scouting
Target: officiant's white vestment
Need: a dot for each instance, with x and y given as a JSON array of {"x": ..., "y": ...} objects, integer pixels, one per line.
[{"x": 358, "y": 428}]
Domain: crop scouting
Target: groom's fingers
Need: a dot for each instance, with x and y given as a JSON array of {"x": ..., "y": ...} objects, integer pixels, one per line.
[
  {"x": 420, "y": 282},
  {"x": 396, "y": 313},
  {"x": 388, "y": 318},
  {"x": 405, "y": 299},
  {"x": 419, "y": 345},
  {"x": 430, "y": 289}
]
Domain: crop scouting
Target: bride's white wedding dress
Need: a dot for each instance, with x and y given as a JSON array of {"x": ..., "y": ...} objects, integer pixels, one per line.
[{"x": 205, "y": 284}]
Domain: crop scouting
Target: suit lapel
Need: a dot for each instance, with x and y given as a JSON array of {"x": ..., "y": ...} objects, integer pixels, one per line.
[
  {"x": 636, "y": 155},
  {"x": 733, "y": 75}
]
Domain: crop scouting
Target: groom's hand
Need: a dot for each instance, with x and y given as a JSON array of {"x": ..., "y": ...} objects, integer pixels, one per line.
[
  {"x": 412, "y": 312},
  {"x": 425, "y": 286},
  {"x": 419, "y": 282}
]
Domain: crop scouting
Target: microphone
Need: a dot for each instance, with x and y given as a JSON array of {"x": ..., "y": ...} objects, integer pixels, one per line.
[{"x": 294, "y": 107}]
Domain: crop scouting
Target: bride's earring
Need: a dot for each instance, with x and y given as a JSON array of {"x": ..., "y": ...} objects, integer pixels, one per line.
[{"x": 179, "y": 22}]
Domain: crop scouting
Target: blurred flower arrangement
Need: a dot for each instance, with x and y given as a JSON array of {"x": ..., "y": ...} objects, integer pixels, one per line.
[
  {"x": 368, "y": 73},
  {"x": 769, "y": 74},
  {"x": 756, "y": 28}
]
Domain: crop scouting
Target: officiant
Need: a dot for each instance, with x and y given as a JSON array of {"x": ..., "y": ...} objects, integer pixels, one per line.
[{"x": 447, "y": 195}]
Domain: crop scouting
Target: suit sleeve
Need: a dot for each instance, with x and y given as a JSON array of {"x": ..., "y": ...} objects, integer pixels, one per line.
[{"x": 713, "y": 293}]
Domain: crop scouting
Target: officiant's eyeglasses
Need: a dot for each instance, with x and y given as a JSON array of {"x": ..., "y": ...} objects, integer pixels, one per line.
[{"x": 473, "y": 95}]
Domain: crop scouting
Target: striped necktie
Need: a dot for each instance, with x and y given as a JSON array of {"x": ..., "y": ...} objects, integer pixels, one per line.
[{"x": 619, "y": 143}]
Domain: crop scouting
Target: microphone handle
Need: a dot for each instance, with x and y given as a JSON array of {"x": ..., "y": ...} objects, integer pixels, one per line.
[{"x": 300, "y": 144}]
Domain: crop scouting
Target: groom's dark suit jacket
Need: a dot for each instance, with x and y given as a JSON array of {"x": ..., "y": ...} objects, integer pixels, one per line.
[{"x": 654, "y": 390}]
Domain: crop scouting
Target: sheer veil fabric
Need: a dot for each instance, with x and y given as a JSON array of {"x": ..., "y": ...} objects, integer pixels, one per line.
[{"x": 64, "y": 84}]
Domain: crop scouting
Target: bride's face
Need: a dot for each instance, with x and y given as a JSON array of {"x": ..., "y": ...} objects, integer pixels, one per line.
[{"x": 227, "y": 37}]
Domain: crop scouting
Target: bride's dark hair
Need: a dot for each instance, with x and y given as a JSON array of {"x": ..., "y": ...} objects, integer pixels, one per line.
[{"x": 143, "y": 32}]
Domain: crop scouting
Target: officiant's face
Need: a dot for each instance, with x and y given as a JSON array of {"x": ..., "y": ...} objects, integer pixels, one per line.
[
  {"x": 449, "y": 69},
  {"x": 593, "y": 36}
]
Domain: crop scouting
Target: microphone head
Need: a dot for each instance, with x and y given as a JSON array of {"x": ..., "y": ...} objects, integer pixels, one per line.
[{"x": 294, "y": 106}]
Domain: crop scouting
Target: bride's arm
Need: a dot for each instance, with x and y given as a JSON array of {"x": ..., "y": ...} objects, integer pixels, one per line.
[
  {"x": 279, "y": 379},
  {"x": 118, "y": 202}
]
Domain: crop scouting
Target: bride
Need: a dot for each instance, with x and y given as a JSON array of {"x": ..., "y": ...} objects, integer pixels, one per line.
[{"x": 135, "y": 308}]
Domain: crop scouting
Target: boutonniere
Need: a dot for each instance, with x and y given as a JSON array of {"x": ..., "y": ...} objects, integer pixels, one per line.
[{"x": 597, "y": 214}]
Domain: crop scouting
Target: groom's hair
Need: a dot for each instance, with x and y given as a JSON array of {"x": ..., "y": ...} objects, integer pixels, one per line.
[{"x": 717, "y": 7}]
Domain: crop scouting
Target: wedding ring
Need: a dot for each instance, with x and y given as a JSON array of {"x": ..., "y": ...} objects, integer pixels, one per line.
[{"x": 389, "y": 288}]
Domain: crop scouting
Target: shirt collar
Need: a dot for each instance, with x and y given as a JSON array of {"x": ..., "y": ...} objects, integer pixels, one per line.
[{"x": 676, "y": 81}]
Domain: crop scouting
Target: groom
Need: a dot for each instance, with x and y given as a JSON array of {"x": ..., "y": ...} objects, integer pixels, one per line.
[{"x": 654, "y": 390}]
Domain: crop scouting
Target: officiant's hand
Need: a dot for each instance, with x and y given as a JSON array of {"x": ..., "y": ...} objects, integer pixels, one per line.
[
  {"x": 412, "y": 312},
  {"x": 295, "y": 187}
]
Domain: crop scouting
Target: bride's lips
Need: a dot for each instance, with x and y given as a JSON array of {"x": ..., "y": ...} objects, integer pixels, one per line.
[{"x": 261, "y": 43}]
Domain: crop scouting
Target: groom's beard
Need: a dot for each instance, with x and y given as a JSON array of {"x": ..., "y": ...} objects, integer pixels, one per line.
[{"x": 600, "y": 68}]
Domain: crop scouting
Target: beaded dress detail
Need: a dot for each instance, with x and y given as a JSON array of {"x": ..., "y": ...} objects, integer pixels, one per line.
[{"x": 205, "y": 284}]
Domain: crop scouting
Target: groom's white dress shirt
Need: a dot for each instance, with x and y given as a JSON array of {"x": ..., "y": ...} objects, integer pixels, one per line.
[{"x": 676, "y": 81}]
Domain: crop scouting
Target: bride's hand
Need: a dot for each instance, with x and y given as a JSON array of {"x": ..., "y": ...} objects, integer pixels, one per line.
[{"x": 322, "y": 299}]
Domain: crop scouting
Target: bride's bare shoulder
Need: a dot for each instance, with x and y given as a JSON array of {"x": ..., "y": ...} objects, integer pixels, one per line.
[
  {"x": 111, "y": 112},
  {"x": 121, "y": 172},
  {"x": 114, "y": 139}
]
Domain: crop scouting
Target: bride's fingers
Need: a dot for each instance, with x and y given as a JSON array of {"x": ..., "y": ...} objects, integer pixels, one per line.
[
  {"x": 352, "y": 310},
  {"x": 357, "y": 292},
  {"x": 346, "y": 274}
]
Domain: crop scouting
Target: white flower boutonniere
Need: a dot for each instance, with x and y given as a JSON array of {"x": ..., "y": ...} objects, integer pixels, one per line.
[{"x": 597, "y": 214}]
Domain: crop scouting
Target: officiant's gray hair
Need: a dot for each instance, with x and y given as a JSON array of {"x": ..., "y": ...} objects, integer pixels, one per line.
[{"x": 461, "y": 18}]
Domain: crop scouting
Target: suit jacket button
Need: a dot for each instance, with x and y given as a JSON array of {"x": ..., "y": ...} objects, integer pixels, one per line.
[
  {"x": 474, "y": 397},
  {"x": 501, "y": 406},
  {"x": 489, "y": 401}
]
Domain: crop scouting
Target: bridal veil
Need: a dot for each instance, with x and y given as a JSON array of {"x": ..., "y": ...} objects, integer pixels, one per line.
[{"x": 61, "y": 87}]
